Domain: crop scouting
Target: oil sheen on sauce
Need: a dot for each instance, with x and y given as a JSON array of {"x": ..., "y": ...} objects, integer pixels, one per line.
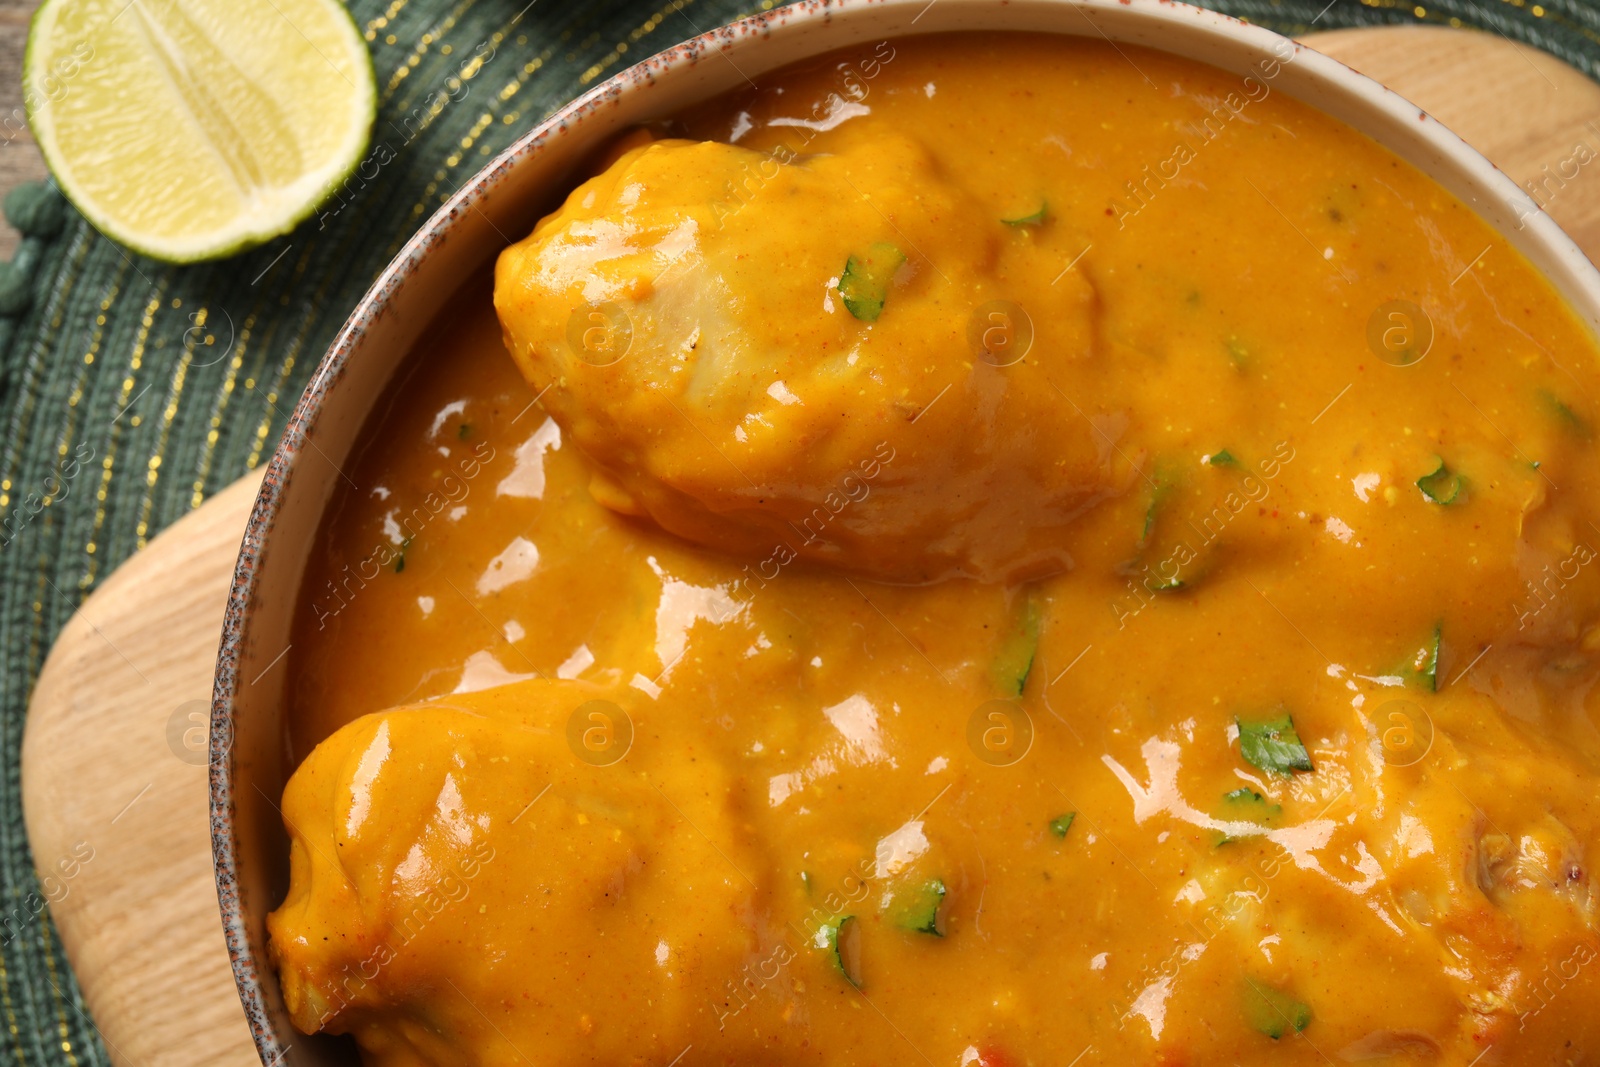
[{"x": 1283, "y": 752}]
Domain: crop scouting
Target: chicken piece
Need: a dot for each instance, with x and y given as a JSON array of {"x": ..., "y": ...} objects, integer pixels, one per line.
[
  {"x": 462, "y": 887},
  {"x": 843, "y": 358}
]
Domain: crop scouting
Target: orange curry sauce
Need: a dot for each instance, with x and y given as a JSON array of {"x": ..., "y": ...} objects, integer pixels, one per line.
[{"x": 1200, "y": 671}]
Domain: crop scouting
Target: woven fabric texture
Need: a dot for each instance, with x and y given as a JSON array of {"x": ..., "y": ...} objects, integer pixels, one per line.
[{"x": 130, "y": 390}]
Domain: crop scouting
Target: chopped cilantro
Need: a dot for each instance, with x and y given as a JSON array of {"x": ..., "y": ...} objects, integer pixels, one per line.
[
  {"x": 1273, "y": 746},
  {"x": 1034, "y": 218},
  {"x": 1017, "y": 650},
  {"x": 1422, "y": 669},
  {"x": 1443, "y": 485},
  {"x": 1272, "y": 1011},
  {"x": 864, "y": 285},
  {"x": 920, "y": 913},
  {"x": 1574, "y": 423},
  {"x": 841, "y": 938}
]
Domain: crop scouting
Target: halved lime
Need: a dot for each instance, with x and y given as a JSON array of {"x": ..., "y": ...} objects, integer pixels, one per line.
[{"x": 195, "y": 129}]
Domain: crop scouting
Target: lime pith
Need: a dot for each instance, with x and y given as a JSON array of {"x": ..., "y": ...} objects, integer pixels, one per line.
[{"x": 192, "y": 131}]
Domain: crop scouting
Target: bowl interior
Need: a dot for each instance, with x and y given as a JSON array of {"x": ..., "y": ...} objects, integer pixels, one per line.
[{"x": 250, "y": 759}]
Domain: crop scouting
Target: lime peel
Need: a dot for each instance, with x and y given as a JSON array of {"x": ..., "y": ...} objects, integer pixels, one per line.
[{"x": 195, "y": 132}]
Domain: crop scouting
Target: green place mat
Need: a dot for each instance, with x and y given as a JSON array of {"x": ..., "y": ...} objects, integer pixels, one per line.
[{"x": 118, "y": 418}]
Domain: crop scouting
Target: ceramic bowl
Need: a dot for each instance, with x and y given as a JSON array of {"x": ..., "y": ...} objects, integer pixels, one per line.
[{"x": 249, "y": 763}]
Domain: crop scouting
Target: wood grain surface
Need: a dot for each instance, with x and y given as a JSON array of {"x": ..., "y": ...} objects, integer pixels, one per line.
[
  {"x": 20, "y": 160},
  {"x": 112, "y": 760}
]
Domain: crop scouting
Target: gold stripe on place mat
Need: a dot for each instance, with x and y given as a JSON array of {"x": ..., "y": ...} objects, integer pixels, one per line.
[
  {"x": 308, "y": 321},
  {"x": 1562, "y": 20},
  {"x": 242, "y": 392},
  {"x": 638, "y": 33},
  {"x": 259, "y": 438},
  {"x": 509, "y": 90},
  {"x": 383, "y": 20},
  {"x": 465, "y": 73},
  {"x": 520, "y": 79},
  {"x": 484, "y": 121},
  {"x": 108, "y": 464},
  {"x": 317, "y": 299},
  {"x": 75, "y": 397},
  {"x": 33, "y": 665},
  {"x": 434, "y": 111},
  {"x": 439, "y": 176},
  {"x": 469, "y": 70},
  {"x": 208, "y": 450},
  {"x": 514, "y": 86},
  {"x": 230, "y": 378},
  {"x": 429, "y": 36},
  {"x": 230, "y": 383},
  {"x": 342, "y": 253},
  {"x": 285, "y": 369},
  {"x": 9, "y": 1007},
  {"x": 55, "y": 988},
  {"x": 180, "y": 375},
  {"x": 618, "y": 50},
  {"x": 588, "y": 41},
  {"x": 17, "y": 432},
  {"x": 96, "y": 336},
  {"x": 468, "y": 139},
  {"x": 486, "y": 118}
]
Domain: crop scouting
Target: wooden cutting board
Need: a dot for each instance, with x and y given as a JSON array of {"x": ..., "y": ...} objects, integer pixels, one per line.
[{"x": 113, "y": 757}]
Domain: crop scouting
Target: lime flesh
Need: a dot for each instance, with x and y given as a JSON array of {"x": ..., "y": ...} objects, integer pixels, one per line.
[{"x": 191, "y": 130}]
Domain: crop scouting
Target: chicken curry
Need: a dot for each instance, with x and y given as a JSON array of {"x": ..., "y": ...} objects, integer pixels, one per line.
[{"x": 971, "y": 551}]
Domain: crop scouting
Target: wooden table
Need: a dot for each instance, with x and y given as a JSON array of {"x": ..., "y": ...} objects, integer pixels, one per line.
[
  {"x": 19, "y": 157},
  {"x": 93, "y": 741}
]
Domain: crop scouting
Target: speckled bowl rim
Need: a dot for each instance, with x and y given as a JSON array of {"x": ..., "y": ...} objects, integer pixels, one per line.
[{"x": 1582, "y": 292}]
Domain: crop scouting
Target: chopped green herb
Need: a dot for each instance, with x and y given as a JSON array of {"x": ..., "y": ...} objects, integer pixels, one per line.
[
  {"x": 1273, "y": 746},
  {"x": 1238, "y": 354},
  {"x": 1273, "y": 1012},
  {"x": 841, "y": 938},
  {"x": 1160, "y": 490},
  {"x": 1573, "y": 422},
  {"x": 864, "y": 285},
  {"x": 920, "y": 910},
  {"x": 400, "y": 557},
  {"x": 805, "y": 880},
  {"x": 1164, "y": 585},
  {"x": 1062, "y": 823},
  {"x": 1248, "y": 805},
  {"x": 1222, "y": 459},
  {"x": 1442, "y": 486},
  {"x": 1015, "y": 661},
  {"x": 463, "y": 430},
  {"x": 1252, "y": 804},
  {"x": 1422, "y": 669},
  {"x": 1033, "y": 219}
]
